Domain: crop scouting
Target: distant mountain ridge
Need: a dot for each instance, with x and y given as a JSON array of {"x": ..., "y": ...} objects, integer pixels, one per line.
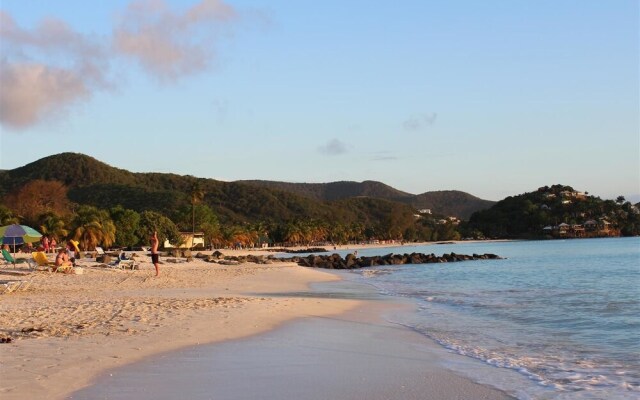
[
  {"x": 93, "y": 181},
  {"x": 335, "y": 190},
  {"x": 445, "y": 202}
]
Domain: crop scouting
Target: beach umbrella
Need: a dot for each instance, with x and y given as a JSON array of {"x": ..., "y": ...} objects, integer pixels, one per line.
[{"x": 18, "y": 234}]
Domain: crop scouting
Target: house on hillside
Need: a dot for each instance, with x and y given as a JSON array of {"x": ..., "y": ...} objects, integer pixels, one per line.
[
  {"x": 604, "y": 226},
  {"x": 590, "y": 226},
  {"x": 578, "y": 230},
  {"x": 563, "y": 228}
]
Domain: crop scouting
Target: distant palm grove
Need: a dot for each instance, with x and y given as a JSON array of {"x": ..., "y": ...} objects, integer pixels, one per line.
[{"x": 75, "y": 196}]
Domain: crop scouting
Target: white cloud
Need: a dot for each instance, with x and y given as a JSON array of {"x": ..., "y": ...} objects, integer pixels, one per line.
[
  {"x": 170, "y": 44},
  {"x": 46, "y": 70}
]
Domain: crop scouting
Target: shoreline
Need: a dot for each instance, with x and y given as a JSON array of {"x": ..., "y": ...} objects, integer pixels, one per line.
[
  {"x": 74, "y": 328},
  {"x": 358, "y": 246},
  {"x": 353, "y": 355}
]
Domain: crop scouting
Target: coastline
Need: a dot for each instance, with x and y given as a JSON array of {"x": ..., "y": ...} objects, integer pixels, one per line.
[
  {"x": 73, "y": 328},
  {"x": 353, "y": 355}
]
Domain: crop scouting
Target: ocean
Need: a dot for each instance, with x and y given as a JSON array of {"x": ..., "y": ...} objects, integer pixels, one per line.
[{"x": 564, "y": 315}]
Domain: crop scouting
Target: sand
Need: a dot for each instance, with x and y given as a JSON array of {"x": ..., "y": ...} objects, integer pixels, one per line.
[
  {"x": 68, "y": 330},
  {"x": 354, "y": 355}
]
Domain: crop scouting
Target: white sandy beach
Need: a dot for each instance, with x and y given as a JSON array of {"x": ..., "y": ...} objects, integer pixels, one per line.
[{"x": 66, "y": 330}]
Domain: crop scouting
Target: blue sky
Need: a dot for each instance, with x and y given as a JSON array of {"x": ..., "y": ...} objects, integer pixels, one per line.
[{"x": 494, "y": 98}]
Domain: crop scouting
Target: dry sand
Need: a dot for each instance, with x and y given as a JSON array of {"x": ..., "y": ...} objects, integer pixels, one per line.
[{"x": 66, "y": 329}]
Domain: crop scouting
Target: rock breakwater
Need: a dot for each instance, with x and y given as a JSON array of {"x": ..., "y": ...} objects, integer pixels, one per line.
[{"x": 350, "y": 261}]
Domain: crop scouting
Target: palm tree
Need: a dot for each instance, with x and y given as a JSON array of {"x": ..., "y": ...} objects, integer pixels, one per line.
[
  {"x": 6, "y": 216},
  {"x": 197, "y": 195},
  {"x": 53, "y": 225},
  {"x": 92, "y": 227}
]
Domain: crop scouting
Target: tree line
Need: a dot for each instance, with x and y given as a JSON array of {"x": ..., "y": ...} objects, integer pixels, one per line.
[{"x": 46, "y": 206}]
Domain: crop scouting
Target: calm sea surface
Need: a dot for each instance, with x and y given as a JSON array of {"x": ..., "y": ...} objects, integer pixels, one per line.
[{"x": 565, "y": 315}]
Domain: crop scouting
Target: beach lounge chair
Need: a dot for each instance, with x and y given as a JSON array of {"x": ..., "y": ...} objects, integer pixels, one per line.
[
  {"x": 122, "y": 264},
  {"x": 42, "y": 261},
  {"x": 127, "y": 264},
  {"x": 8, "y": 258},
  {"x": 13, "y": 286}
]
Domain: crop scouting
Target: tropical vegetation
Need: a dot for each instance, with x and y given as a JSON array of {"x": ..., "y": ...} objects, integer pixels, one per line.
[
  {"x": 99, "y": 205},
  {"x": 556, "y": 211}
]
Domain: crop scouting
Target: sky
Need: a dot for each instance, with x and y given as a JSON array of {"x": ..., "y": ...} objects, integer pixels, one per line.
[{"x": 493, "y": 98}]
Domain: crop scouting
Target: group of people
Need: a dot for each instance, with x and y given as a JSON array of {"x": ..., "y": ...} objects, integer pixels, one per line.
[
  {"x": 49, "y": 245},
  {"x": 66, "y": 255}
]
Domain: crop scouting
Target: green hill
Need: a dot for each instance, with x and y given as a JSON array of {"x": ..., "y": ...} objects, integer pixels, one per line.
[
  {"x": 96, "y": 183},
  {"x": 558, "y": 211},
  {"x": 448, "y": 202},
  {"x": 335, "y": 190}
]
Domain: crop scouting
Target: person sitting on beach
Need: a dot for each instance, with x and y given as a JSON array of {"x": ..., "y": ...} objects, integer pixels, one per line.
[{"x": 62, "y": 259}]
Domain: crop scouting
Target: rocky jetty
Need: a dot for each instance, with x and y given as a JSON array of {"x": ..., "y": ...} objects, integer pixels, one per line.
[
  {"x": 350, "y": 261},
  {"x": 335, "y": 261}
]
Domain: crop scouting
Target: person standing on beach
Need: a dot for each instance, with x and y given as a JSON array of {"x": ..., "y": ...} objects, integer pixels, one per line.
[
  {"x": 154, "y": 252},
  {"x": 45, "y": 244}
]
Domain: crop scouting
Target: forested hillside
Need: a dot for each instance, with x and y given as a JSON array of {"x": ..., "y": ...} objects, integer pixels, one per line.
[
  {"x": 558, "y": 211},
  {"x": 446, "y": 202},
  {"x": 73, "y": 195},
  {"x": 68, "y": 189}
]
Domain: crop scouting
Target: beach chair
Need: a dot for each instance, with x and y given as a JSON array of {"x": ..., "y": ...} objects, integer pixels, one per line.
[
  {"x": 7, "y": 287},
  {"x": 42, "y": 261},
  {"x": 120, "y": 264},
  {"x": 127, "y": 264},
  {"x": 8, "y": 258}
]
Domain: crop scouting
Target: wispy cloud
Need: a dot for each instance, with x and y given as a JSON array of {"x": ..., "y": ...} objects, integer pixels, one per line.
[
  {"x": 46, "y": 70},
  {"x": 416, "y": 123},
  {"x": 170, "y": 44},
  {"x": 333, "y": 147},
  {"x": 384, "y": 156}
]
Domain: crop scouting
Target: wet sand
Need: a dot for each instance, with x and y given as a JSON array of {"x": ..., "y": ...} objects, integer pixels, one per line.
[{"x": 354, "y": 355}]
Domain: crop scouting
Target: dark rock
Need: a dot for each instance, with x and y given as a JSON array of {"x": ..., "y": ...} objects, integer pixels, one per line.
[
  {"x": 335, "y": 261},
  {"x": 350, "y": 261},
  {"x": 309, "y": 250}
]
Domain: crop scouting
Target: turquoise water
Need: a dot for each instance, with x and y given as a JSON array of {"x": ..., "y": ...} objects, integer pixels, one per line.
[{"x": 563, "y": 314}]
